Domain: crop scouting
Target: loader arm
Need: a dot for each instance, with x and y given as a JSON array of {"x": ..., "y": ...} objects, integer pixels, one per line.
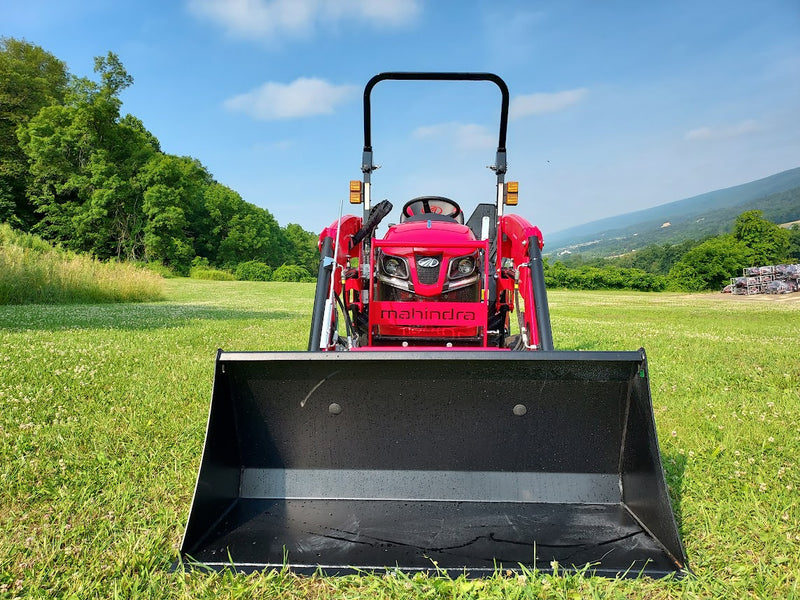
[
  {"x": 521, "y": 242},
  {"x": 331, "y": 270}
]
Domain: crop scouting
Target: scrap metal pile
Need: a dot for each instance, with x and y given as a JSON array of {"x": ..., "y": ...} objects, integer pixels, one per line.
[{"x": 771, "y": 279}]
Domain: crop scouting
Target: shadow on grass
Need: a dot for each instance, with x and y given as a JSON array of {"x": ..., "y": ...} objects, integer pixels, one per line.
[
  {"x": 134, "y": 317},
  {"x": 674, "y": 466}
]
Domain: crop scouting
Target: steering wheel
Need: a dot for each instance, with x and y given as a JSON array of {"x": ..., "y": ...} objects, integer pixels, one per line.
[{"x": 426, "y": 206}]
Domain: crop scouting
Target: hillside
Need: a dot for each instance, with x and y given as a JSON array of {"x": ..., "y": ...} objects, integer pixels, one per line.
[{"x": 712, "y": 213}]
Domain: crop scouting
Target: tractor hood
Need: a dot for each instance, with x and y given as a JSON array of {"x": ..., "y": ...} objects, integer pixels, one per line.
[{"x": 429, "y": 231}]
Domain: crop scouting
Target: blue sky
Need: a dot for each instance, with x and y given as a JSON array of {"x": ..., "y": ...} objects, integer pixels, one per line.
[{"x": 616, "y": 106}]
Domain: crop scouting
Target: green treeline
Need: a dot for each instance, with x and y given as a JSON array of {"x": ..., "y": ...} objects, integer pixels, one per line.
[
  {"x": 77, "y": 172},
  {"x": 689, "y": 266}
]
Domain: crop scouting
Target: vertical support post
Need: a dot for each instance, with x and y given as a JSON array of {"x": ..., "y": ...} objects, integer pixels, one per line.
[
  {"x": 321, "y": 293},
  {"x": 540, "y": 295}
]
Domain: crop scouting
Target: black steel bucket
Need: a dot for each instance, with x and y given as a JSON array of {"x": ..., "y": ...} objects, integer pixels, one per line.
[{"x": 461, "y": 461}]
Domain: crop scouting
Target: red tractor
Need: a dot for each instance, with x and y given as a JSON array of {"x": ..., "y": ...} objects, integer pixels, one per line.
[
  {"x": 418, "y": 432},
  {"x": 435, "y": 279}
]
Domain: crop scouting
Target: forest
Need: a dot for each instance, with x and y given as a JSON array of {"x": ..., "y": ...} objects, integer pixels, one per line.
[{"x": 80, "y": 174}]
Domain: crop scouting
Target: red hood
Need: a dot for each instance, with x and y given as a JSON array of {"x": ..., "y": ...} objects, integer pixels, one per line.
[{"x": 429, "y": 232}]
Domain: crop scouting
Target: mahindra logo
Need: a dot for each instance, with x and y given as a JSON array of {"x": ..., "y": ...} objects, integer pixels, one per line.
[
  {"x": 417, "y": 316},
  {"x": 428, "y": 262}
]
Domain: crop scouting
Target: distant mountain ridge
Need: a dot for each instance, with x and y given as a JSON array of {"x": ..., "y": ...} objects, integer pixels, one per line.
[{"x": 712, "y": 213}]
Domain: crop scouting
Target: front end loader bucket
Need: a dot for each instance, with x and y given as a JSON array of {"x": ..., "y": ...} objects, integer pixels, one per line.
[{"x": 462, "y": 461}]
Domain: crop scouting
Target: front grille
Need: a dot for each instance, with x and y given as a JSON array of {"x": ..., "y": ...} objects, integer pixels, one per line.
[
  {"x": 389, "y": 293},
  {"x": 428, "y": 275},
  {"x": 470, "y": 293}
]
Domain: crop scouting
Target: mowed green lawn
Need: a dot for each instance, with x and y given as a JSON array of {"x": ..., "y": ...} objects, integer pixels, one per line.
[{"x": 104, "y": 409}]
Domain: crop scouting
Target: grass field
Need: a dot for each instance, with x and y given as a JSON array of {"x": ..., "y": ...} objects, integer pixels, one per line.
[{"x": 104, "y": 410}]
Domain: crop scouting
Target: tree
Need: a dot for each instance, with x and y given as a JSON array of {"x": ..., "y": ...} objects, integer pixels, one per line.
[
  {"x": 173, "y": 190},
  {"x": 83, "y": 160},
  {"x": 239, "y": 231},
  {"x": 711, "y": 264},
  {"x": 113, "y": 77},
  {"x": 58, "y": 150},
  {"x": 303, "y": 247},
  {"x": 116, "y": 198},
  {"x": 655, "y": 258},
  {"x": 30, "y": 79},
  {"x": 768, "y": 243},
  {"x": 794, "y": 243}
]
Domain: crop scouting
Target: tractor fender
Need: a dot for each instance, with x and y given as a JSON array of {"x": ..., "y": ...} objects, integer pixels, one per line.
[
  {"x": 515, "y": 233},
  {"x": 350, "y": 225}
]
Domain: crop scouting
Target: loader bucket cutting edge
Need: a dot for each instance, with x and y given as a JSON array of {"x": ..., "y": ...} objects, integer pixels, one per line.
[{"x": 421, "y": 461}]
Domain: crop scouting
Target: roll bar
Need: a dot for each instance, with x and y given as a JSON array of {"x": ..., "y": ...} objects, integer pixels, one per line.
[{"x": 500, "y": 162}]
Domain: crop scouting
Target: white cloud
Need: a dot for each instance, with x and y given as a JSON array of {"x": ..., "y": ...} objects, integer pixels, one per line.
[
  {"x": 270, "y": 19},
  {"x": 385, "y": 12},
  {"x": 723, "y": 133},
  {"x": 302, "y": 98},
  {"x": 537, "y": 104},
  {"x": 463, "y": 136}
]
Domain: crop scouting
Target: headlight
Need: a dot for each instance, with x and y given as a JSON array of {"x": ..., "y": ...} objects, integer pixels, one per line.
[
  {"x": 462, "y": 267},
  {"x": 466, "y": 266},
  {"x": 394, "y": 267}
]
